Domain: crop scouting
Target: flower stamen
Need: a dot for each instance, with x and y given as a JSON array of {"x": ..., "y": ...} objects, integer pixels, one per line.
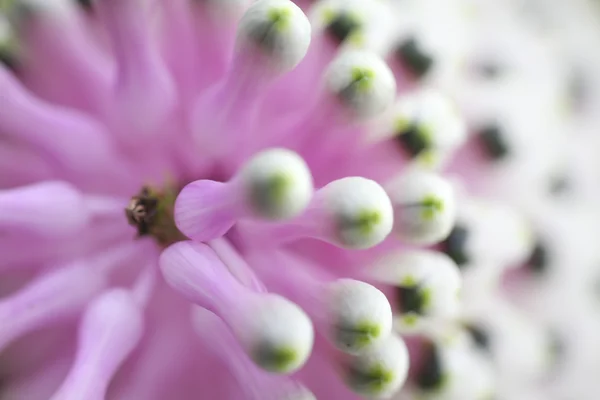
[{"x": 151, "y": 212}]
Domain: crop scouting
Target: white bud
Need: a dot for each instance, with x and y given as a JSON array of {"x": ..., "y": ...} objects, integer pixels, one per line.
[
  {"x": 297, "y": 392},
  {"x": 485, "y": 221},
  {"x": 454, "y": 371},
  {"x": 277, "y": 334},
  {"x": 325, "y": 12},
  {"x": 277, "y": 183},
  {"x": 429, "y": 126},
  {"x": 6, "y": 31},
  {"x": 354, "y": 23},
  {"x": 518, "y": 345},
  {"x": 362, "y": 82},
  {"x": 380, "y": 371},
  {"x": 424, "y": 207},
  {"x": 9, "y": 45},
  {"x": 257, "y": 384},
  {"x": 429, "y": 285},
  {"x": 361, "y": 212},
  {"x": 361, "y": 315},
  {"x": 279, "y": 29},
  {"x": 51, "y": 8}
]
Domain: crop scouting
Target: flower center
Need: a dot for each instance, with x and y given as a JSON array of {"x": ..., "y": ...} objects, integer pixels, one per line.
[{"x": 151, "y": 212}]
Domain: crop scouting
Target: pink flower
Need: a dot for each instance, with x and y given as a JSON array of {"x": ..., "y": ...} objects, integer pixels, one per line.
[
  {"x": 241, "y": 157},
  {"x": 226, "y": 200}
]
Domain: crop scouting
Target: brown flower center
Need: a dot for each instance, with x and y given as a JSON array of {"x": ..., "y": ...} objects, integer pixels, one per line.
[{"x": 151, "y": 212}]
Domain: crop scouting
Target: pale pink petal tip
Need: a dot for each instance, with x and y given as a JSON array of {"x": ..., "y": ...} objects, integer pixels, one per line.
[
  {"x": 52, "y": 298},
  {"x": 50, "y": 207},
  {"x": 203, "y": 212},
  {"x": 111, "y": 328}
]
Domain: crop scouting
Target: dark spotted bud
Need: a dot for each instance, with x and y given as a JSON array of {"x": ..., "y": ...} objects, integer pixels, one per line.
[
  {"x": 342, "y": 26},
  {"x": 480, "y": 336},
  {"x": 414, "y": 58},
  {"x": 539, "y": 260},
  {"x": 493, "y": 142},
  {"x": 430, "y": 377},
  {"x": 455, "y": 245},
  {"x": 412, "y": 140}
]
